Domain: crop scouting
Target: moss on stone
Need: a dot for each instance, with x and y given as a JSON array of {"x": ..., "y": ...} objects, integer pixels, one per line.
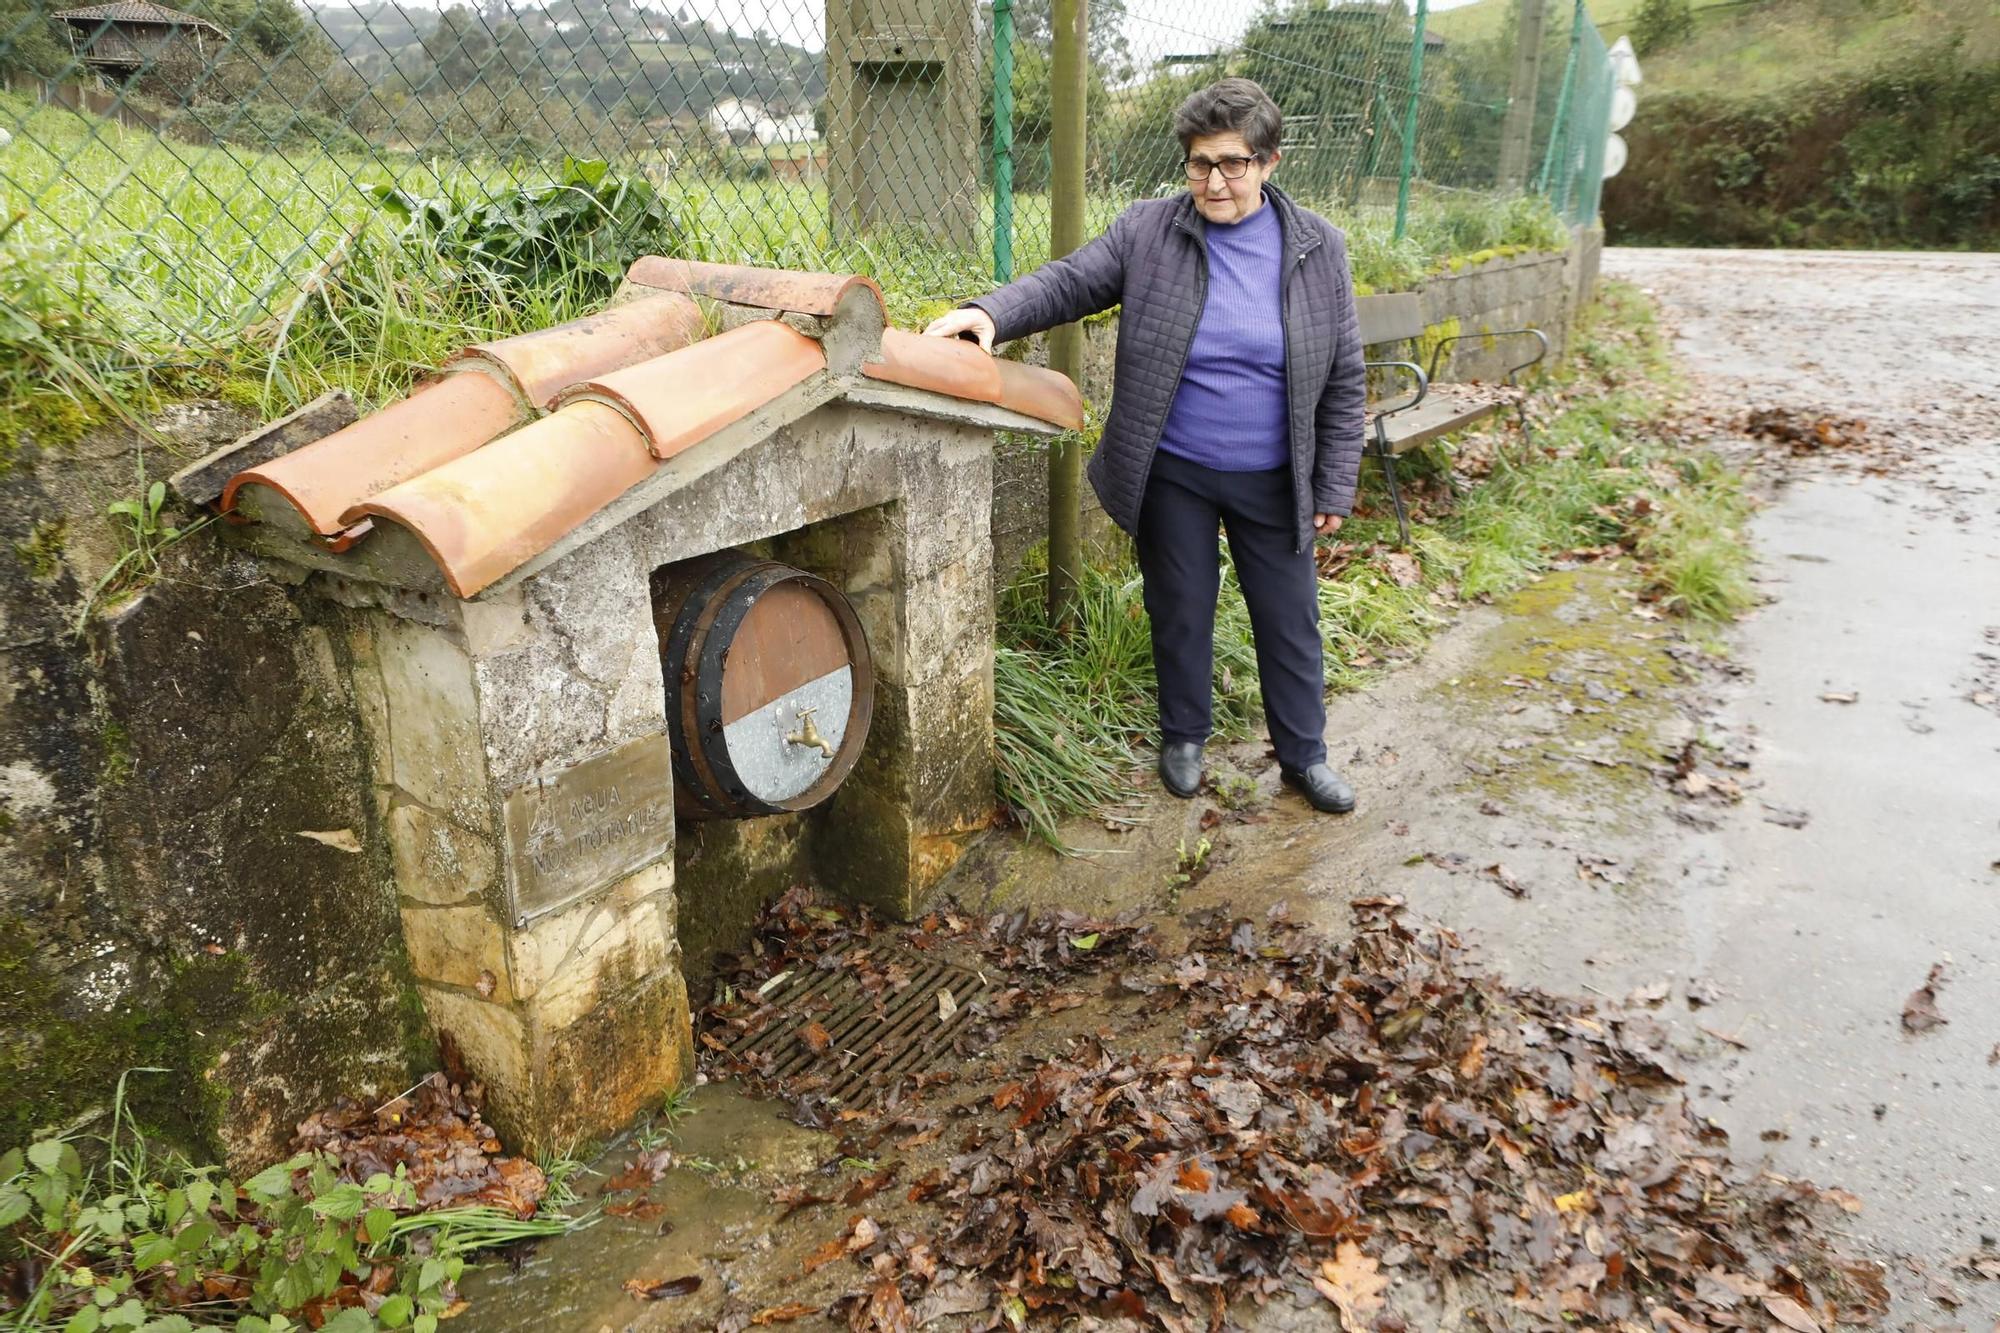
[
  {"x": 59, "y": 1064},
  {"x": 1569, "y": 621},
  {"x": 1460, "y": 263},
  {"x": 420, "y": 1045},
  {"x": 244, "y": 391},
  {"x": 44, "y": 420},
  {"x": 41, "y": 553},
  {"x": 1433, "y": 337},
  {"x": 117, "y": 752}
]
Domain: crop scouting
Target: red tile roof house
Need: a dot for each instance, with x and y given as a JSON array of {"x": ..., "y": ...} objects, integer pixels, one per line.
[{"x": 512, "y": 549}]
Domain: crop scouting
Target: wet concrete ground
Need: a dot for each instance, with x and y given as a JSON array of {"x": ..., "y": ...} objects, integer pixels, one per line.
[{"x": 1778, "y": 935}]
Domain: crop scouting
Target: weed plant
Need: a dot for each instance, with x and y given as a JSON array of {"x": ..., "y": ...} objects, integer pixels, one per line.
[
  {"x": 102, "y": 1234},
  {"x": 1071, "y": 712}
]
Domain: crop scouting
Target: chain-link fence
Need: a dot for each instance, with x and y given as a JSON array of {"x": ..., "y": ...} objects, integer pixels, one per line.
[{"x": 212, "y": 170}]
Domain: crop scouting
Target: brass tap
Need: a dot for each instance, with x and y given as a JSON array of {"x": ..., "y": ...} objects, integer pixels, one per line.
[{"x": 808, "y": 735}]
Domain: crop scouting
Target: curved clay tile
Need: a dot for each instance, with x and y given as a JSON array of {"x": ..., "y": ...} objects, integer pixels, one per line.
[
  {"x": 1038, "y": 392},
  {"x": 486, "y": 514},
  {"x": 684, "y": 397},
  {"x": 950, "y": 366},
  {"x": 544, "y": 363},
  {"x": 439, "y": 422},
  {"x": 959, "y": 369},
  {"x": 767, "y": 288}
]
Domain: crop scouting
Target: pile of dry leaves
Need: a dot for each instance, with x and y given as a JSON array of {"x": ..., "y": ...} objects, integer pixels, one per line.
[
  {"x": 1805, "y": 434},
  {"x": 1364, "y": 1125},
  {"x": 434, "y": 1132}
]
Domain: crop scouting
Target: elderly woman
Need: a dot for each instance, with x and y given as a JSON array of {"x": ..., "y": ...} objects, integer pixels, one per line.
[{"x": 1237, "y": 400}]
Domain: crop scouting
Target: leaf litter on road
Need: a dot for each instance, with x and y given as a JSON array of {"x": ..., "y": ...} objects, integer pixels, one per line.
[{"x": 1277, "y": 1115}]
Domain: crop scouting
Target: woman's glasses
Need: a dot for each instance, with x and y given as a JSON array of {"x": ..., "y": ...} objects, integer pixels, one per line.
[{"x": 1232, "y": 168}]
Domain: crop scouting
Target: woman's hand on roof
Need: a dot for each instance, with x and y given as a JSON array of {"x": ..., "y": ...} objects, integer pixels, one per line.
[{"x": 958, "y": 323}]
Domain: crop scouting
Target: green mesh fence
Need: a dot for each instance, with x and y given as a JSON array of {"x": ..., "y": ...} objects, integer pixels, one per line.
[{"x": 209, "y": 174}]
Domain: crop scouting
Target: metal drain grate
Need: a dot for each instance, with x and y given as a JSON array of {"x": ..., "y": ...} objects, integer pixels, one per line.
[{"x": 878, "y": 1045}]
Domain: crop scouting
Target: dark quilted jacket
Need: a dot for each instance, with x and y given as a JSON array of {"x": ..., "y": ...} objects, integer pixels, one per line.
[{"x": 1153, "y": 262}]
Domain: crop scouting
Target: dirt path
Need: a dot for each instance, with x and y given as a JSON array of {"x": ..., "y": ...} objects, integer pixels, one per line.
[{"x": 1776, "y": 919}]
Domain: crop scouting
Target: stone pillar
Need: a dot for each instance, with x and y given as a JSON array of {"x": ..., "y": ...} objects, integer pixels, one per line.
[
  {"x": 903, "y": 118},
  {"x": 523, "y": 780},
  {"x": 919, "y": 572}
]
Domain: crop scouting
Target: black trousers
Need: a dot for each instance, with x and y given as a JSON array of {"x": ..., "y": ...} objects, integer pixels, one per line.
[{"x": 1184, "y": 502}]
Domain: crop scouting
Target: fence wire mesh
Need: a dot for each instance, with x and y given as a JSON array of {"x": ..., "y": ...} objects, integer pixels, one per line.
[{"x": 218, "y": 175}]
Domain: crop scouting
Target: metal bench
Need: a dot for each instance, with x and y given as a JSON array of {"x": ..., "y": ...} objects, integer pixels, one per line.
[{"x": 1432, "y": 409}]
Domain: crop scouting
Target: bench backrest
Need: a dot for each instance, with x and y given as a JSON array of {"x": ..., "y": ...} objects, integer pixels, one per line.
[{"x": 1388, "y": 319}]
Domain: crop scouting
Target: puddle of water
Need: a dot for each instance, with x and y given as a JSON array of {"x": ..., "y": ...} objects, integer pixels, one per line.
[{"x": 717, "y": 1213}]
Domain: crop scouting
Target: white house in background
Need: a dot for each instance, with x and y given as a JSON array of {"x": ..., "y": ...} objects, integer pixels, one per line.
[{"x": 740, "y": 116}]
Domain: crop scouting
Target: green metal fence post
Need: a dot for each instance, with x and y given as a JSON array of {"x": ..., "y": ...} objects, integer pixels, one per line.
[
  {"x": 1003, "y": 140},
  {"x": 1410, "y": 118},
  {"x": 1067, "y": 95},
  {"x": 1559, "y": 128}
]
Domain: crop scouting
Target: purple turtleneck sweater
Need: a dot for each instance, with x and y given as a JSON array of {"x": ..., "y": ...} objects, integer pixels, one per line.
[{"x": 1229, "y": 412}]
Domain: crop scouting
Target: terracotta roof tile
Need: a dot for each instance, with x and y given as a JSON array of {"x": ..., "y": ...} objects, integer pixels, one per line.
[
  {"x": 437, "y": 423},
  {"x": 488, "y": 512},
  {"x": 1038, "y": 392},
  {"x": 544, "y": 363},
  {"x": 485, "y": 487},
  {"x": 682, "y": 399},
  {"x": 472, "y": 404},
  {"x": 959, "y": 369},
  {"x": 768, "y": 288}
]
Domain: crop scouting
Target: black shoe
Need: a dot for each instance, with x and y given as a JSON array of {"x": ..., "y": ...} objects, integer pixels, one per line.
[
  {"x": 1180, "y": 767},
  {"x": 1325, "y": 789}
]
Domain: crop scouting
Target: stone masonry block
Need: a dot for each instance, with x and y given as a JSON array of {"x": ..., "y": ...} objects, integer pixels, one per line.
[
  {"x": 496, "y": 1043},
  {"x": 602, "y": 1071},
  {"x": 440, "y": 863},
  {"x": 432, "y": 714},
  {"x": 457, "y": 946},
  {"x": 562, "y": 959},
  {"x": 948, "y": 621}
]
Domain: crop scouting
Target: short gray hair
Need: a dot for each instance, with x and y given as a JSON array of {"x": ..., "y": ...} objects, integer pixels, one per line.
[{"x": 1231, "y": 106}]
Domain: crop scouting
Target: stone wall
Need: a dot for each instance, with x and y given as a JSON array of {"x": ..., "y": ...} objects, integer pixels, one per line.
[{"x": 186, "y": 878}]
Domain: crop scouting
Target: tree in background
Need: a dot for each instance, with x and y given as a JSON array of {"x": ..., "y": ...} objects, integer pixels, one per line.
[
  {"x": 29, "y": 43},
  {"x": 273, "y": 27},
  {"x": 1660, "y": 24}
]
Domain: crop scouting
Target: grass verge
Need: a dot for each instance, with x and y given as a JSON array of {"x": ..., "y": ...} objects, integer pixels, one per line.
[{"x": 1491, "y": 515}]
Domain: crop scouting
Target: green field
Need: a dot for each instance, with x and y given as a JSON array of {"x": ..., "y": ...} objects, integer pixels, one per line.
[
  {"x": 277, "y": 270},
  {"x": 1743, "y": 50}
]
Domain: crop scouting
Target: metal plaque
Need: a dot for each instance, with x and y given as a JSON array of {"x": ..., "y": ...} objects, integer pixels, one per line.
[{"x": 589, "y": 826}]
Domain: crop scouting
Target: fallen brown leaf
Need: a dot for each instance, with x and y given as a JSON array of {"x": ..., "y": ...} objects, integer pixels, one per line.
[
  {"x": 1353, "y": 1281},
  {"x": 645, "y": 1290},
  {"x": 1791, "y": 1314},
  {"x": 1920, "y": 1011}
]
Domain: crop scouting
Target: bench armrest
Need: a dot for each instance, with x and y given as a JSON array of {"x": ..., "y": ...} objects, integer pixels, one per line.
[
  {"x": 1437, "y": 352},
  {"x": 1416, "y": 373}
]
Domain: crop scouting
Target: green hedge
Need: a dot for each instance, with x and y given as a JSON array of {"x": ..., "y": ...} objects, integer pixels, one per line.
[{"x": 1908, "y": 157}]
